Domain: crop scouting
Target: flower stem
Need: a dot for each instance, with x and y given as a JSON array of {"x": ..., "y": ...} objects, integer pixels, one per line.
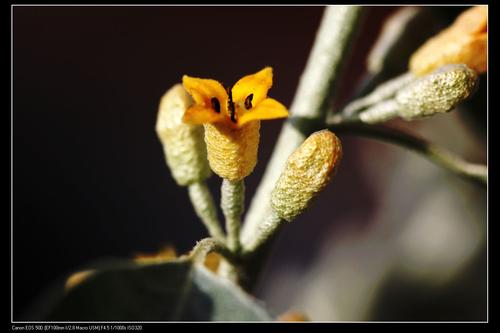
[
  {"x": 436, "y": 154},
  {"x": 207, "y": 245},
  {"x": 204, "y": 206},
  {"x": 232, "y": 204},
  {"x": 263, "y": 235},
  {"x": 383, "y": 92}
]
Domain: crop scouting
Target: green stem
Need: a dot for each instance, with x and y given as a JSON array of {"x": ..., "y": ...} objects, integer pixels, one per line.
[
  {"x": 434, "y": 153},
  {"x": 207, "y": 245},
  {"x": 263, "y": 235},
  {"x": 232, "y": 204},
  {"x": 383, "y": 92},
  {"x": 316, "y": 91},
  {"x": 204, "y": 206}
]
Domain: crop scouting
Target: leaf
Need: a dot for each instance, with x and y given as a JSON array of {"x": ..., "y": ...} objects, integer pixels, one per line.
[{"x": 178, "y": 290}]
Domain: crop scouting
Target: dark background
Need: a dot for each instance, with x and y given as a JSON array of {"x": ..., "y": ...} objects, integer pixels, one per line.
[{"x": 90, "y": 179}]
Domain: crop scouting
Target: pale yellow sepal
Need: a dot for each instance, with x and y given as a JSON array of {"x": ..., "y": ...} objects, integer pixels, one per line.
[{"x": 232, "y": 152}]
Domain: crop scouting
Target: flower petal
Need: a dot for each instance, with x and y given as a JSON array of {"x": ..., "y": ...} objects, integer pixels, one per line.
[
  {"x": 203, "y": 90},
  {"x": 201, "y": 115},
  {"x": 267, "y": 109},
  {"x": 257, "y": 84}
]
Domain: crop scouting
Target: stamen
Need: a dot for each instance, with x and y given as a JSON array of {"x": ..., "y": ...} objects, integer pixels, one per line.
[
  {"x": 215, "y": 104},
  {"x": 248, "y": 102},
  {"x": 230, "y": 105}
]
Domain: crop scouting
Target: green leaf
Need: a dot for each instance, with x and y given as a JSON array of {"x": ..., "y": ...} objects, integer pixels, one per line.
[{"x": 178, "y": 290}]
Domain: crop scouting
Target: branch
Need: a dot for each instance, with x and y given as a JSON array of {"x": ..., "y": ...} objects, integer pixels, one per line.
[
  {"x": 436, "y": 154},
  {"x": 232, "y": 204},
  {"x": 207, "y": 245},
  {"x": 204, "y": 206}
]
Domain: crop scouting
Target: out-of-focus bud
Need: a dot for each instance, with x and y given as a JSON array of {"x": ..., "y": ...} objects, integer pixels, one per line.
[
  {"x": 77, "y": 278},
  {"x": 183, "y": 144},
  {"x": 166, "y": 254},
  {"x": 438, "y": 92},
  {"x": 308, "y": 170},
  {"x": 213, "y": 261},
  {"x": 464, "y": 42}
]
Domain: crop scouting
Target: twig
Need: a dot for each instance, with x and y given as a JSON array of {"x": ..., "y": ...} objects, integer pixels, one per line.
[
  {"x": 207, "y": 245},
  {"x": 436, "y": 154},
  {"x": 383, "y": 92},
  {"x": 204, "y": 206},
  {"x": 232, "y": 203},
  {"x": 266, "y": 231}
]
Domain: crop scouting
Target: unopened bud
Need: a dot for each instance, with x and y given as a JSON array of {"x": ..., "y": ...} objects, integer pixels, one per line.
[
  {"x": 438, "y": 92},
  {"x": 464, "y": 42},
  {"x": 308, "y": 170},
  {"x": 183, "y": 144}
]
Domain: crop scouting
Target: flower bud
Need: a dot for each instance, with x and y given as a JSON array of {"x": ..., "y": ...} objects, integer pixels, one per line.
[
  {"x": 464, "y": 42},
  {"x": 438, "y": 92},
  {"x": 77, "y": 278},
  {"x": 183, "y": 144},
  {"x": 308, "y": 170},
  {"x": 232, "y": 151}
]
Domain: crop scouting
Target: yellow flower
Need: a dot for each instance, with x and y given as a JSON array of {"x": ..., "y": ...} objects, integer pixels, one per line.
[
  {"x": 232, "y": 119},
  {"x": 464, "y": 42}
]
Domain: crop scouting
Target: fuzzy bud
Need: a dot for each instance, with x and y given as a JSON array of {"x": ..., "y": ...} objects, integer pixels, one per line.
[
  {"x": 438, "y": 92},
  {"x": 232, "y": 151},
  {"x": 183, "y": 144},
  {"x": 308, "y": 170}
]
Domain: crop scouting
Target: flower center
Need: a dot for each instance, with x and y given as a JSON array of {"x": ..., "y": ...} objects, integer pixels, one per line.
[{"x": 230, "y": 105}]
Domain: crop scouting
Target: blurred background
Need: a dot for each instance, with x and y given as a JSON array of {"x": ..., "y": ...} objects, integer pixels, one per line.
[{"x": 392, "y": 238}]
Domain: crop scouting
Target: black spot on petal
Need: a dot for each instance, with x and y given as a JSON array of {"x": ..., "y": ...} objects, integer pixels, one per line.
[
  {"x": 215, "y": 104},
  {"x": 248, "y": 102}
]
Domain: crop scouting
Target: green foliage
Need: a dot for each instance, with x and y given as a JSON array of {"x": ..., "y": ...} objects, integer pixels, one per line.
[{"x": 178, "y": 290}]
